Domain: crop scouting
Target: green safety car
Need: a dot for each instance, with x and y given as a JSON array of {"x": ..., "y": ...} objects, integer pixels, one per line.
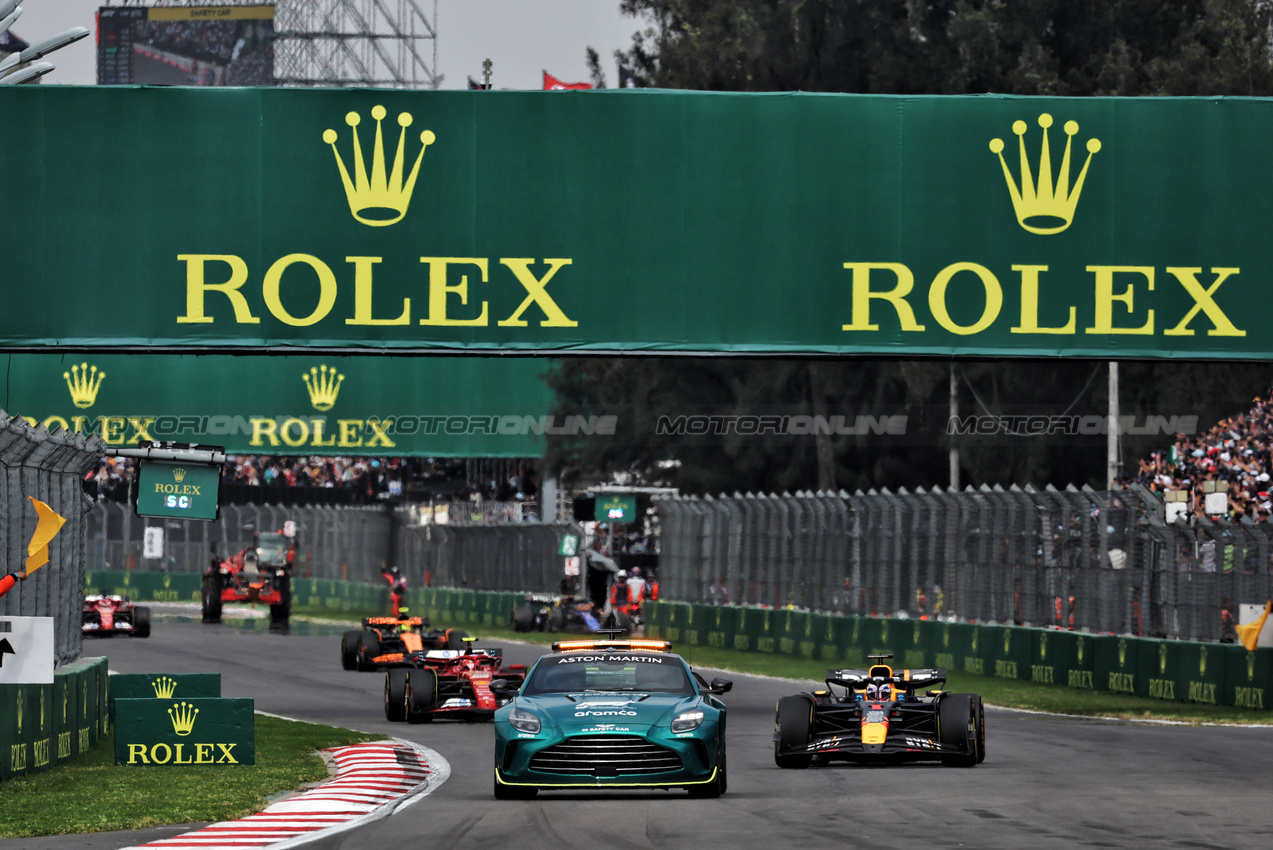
[{"x": 610, "y": 714}]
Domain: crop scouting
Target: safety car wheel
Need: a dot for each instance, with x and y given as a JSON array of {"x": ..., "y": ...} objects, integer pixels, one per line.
[
  {"x": 957, "y": 727},
  {"x": 349, "y": 650},
  {"x": 213, "y": 584},
  {"x": 368, "y": 648},
  {"x": 141, "y": 621},
  {"x": 794, "y": 719},
  {"x": 395, "y": 694},
  {"x": 717, "y": 786},
  {"x": 421, "y": 695},
  {"x": 513, "y": 792},
  {"x": 523, "y": 618}
]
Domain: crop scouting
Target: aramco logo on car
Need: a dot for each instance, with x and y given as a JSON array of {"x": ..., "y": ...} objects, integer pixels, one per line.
[{"x": 163, "y": 732}]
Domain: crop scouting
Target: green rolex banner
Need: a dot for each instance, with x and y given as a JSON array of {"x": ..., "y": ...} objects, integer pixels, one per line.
[
  {"x": 635, "y": 221},
  {"x": 169, "y": 686},
  {"x": 184, "y": 731}
]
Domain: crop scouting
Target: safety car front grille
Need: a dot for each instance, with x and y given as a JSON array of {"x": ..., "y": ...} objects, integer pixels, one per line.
[{"x": 606, "y": 755}]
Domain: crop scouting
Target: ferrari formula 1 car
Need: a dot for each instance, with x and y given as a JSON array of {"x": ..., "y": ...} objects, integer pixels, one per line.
[
  {"x": 880, "y": 718},
  {"x": 261, "y": 572},
  {"x": 109, "y": 615},
  {"x": 449, "y": 683},
  {"x": 393, "y": 641}
]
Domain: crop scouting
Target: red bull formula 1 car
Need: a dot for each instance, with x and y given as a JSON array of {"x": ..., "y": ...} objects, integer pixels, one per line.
[
  {"x": 109, "y": 614},
  {"x": 449, "y": 683},
  {"x": 392, "y": 641},
  {"x": 879, "y": 718}
]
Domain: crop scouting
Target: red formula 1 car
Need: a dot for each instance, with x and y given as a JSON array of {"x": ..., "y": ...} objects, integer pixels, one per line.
[
  {"x": 109, "y": 615},
  {"x": 261, "y": 572},
  {"x": 449, "y": 683},
  {"x": 392, "y": 642}
]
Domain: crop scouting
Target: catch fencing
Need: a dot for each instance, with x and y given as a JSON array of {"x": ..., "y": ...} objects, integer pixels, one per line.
[
  {"x": 48, "y": 467},
  {"x": 1101, "y": 561}
]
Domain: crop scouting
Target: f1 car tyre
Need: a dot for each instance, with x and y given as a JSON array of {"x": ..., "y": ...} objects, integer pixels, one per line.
[
  {"x": 141, "y": 621},
  {"x": 349, "y": 650},
  {"x": 957, "y": 726},
  {"x": 395, "y": 694},
  {"x": 213, "y": 583},
  {"x": 368, "y": 648},
  {"x": 523, "y": 618},
  {"x": 556, "y": 619},
  {"x": 421, "y": 695},
  {"x": 282, "y": 611},
  {"x": 794, "y": 719},
  {"x": 513, "y": 792},
  {"x": 981, "y": 728},
  {"x": 455, "y": 638},
  {"x": 718, "y": 785}
]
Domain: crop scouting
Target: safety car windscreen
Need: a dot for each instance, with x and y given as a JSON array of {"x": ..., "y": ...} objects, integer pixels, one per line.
[{"x": 580, "y": 672}]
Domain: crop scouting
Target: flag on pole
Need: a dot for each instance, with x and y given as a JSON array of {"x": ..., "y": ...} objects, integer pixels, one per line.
[
  {"x": 46, "y": 529},
  {"x": 551, "y": 83},
  {"x": 1249, "y": 634}
]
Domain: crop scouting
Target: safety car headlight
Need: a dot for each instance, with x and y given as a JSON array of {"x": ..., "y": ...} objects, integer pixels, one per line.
[
  {"x": 687, "y": 721},
  {"x": 523, "y": 721}
]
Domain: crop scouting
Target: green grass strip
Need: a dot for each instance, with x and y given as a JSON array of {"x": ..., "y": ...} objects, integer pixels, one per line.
[
  {"x": 1012, "y": 693},
  {"x": 93, "y": 794}
]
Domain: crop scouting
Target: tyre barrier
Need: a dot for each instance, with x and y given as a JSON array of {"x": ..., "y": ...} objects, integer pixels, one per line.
[{"x": 46, "y": 725}]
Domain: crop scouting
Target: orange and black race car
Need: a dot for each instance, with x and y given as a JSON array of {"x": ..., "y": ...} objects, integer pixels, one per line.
[
  {"x": 879, "y": 719},
  {"x": 452, "y": 683},
  {"x": 391, "y": 641}
]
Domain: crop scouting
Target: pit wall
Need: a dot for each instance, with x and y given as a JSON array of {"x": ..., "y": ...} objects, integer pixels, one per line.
[{"x": 45, "y": 725}]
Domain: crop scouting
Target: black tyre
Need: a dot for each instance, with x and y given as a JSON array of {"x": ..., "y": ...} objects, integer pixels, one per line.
[
  {"x": 213, "y": 584},
  {"x": 421, "y": 695},
  {"x": 720, "y": 783},
  {"x": 349, "y": 650},
  {"x": 981, "y": 728},
  {"x": 523, "y": 618},
  {"x": 513, "y": 792},
  {"x": 957, "y": 727},
  {"x": 455, "y": 638},
  {"x": 395, "y": 695},
  {"x": 141, "y": 621},
  {"x": 281, "y": 611},
  {"x": 794, "y": 721},
  {"x": 556, "y": 619},
  {"x": 368, "y": 648}
]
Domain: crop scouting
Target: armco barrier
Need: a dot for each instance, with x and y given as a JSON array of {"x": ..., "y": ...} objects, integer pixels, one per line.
[
  {"x": 1181, "y": 671},
  {"x": 44, "y": 725}
]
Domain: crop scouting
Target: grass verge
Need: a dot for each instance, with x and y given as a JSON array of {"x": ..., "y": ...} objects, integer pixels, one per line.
[
  {"x": 93, "y": 794},
  {"x": 1013, "y": 693}
]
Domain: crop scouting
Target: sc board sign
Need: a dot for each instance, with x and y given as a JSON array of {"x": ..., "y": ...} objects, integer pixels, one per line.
[
  {"x": 174, "y": 489},
  {"x": 26, "y": 650},
  {"x": 615, "y": 508}
]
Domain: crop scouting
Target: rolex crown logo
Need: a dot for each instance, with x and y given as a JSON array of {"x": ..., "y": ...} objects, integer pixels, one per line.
[
  {"x": 183, "y": 715},
  {"x": 1044, "y": 205},
  {"x": 84, "y": 381},
  {"x": 178, "y": 475},
  {"x": 323, "y": 387},
  {"x": 378, "y": 200},
  {"x": 165, "y": 687}
]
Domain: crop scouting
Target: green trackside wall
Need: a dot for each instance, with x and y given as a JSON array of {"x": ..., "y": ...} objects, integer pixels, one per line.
[
  {"x": 342, "y": 596},
  {"x": 1214, "y": 674},
  {"x": 45, "y": 725}
]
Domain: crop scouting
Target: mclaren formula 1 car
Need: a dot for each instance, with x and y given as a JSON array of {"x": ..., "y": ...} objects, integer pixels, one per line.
[
  {"x": 107, "y": 615},
  {"x": 393, "y": 641},
  {"x": 448, "y": 683},
  {"x": 620, "y": 714},
  {"x": 880, "y": 718}
]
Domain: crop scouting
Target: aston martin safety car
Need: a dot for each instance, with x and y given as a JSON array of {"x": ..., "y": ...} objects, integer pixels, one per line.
[
  {"x": 452, "y": 683},
  {"x": 610, "y": 714},
  {"x": 109, "y": 614},
  {"x": 391, "y": 641},
  {"x": 878, "y": 718}
]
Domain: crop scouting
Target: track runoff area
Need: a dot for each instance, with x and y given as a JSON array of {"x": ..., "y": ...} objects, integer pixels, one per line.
[{"x": 1046, "y": 781}]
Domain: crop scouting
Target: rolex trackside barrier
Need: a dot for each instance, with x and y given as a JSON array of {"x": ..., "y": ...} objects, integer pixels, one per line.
[
  {"x": 44, "y": 725},
  {"x": 1180, "y": 671}
]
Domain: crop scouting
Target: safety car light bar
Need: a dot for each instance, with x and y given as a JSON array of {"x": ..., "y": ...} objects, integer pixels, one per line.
[{"x": 641, "y": 644}]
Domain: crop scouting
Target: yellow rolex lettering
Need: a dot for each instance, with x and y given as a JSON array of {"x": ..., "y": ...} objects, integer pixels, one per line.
[
  {"x": 937, "y": 298},
  {"x": 1105, "y": 298},
  {"x": 362, "y": 295},
  {"x": 1030, "y": 304},
  {"x": 273, "y": 284},
  {"x": 227, "y": 754},
  {"x": 896, "y": 296},
  {"x": 155, "y": 754},
  {"x": 264, "y": 429},
  {"x": 57, "y": 422},
  {"x": 113, "y": 430},
  {"x": 554, "y": 317},
  {"x": 298, "y": 425},
  {"x": 177, "y": 758},
  {"x": 378, "y": 435},
  {"x": 1203, "y": 301},
  {"x": 318, "y": 435},
  {"x": 141, "y": 428},
  {"x": 439, "y": 289},
  {"x": 137, "y": 752},
  {"x": 203, "y": 754},
  {"x": 350, "y": 433},
  {"x": 196, "y": 286}
]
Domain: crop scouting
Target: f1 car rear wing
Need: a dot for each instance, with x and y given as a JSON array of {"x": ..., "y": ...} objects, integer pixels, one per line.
[
  {"x": 908, "y": 680},
  {"x": 393, "y": 621}
]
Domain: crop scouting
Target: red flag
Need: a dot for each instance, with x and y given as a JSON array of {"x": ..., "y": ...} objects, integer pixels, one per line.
[{"x": 551, "y": 83}]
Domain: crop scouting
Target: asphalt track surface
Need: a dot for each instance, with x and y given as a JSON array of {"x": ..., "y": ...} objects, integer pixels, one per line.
[{"x": 1046, "y": 782}]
